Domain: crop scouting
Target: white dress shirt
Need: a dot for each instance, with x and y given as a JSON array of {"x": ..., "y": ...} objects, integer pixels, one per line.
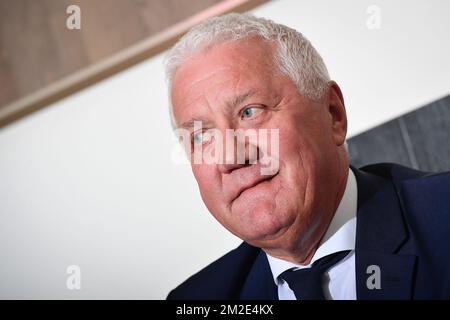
[{"x": 339, "y": 282}]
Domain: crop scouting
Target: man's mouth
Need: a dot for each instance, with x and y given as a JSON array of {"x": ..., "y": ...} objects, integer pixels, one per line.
[{"x": 251, "y": 184}]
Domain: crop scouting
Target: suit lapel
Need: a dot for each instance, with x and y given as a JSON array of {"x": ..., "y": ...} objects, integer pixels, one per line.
[
  {"x": 384, "y": 276},
  {"x": 380, "y": 233},
  {"x": 381, "y": 273},
  {"x": 259, "y": 284}
]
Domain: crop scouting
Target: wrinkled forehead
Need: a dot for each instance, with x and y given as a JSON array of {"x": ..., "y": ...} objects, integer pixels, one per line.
[{"x": 223, "y": 71}]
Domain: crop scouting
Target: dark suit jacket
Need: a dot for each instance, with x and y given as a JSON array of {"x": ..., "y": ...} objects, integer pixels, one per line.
[{"x": 403, "y": 226}]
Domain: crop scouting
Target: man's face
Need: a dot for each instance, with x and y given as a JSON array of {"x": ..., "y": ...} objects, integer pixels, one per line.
[{"x": 237, "y": 86}]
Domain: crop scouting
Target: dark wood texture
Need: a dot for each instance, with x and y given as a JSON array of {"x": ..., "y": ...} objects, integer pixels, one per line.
[
  {"x": 36, "y": 48},
  {"x": 41, "y": 61}
]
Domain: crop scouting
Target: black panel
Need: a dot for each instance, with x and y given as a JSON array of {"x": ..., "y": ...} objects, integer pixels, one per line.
[
  {"x": 380, "y": 144},
  {"x": 419, "y": 139},
  {"x": 429, "y": 129}
]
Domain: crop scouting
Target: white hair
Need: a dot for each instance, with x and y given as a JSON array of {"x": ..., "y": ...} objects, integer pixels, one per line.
[{"x": 295, "y": 56}]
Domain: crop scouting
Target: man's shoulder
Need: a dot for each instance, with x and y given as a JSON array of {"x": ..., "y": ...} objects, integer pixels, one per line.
[
  {"x": 417, "y": 190},
  {"x": 424, "y": 198},
  {"x": 219, "y": 280},
  {"x": 394, "y": 171},
  {"x": 413, "y": 180}
]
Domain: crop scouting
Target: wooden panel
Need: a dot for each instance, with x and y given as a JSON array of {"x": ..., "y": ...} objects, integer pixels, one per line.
[
  {"x": 42, "y": 61},
  {"x": 37, "y": 48}
]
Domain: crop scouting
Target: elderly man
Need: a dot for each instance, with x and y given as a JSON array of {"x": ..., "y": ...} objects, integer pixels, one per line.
[{"x": 313, "y": 227}]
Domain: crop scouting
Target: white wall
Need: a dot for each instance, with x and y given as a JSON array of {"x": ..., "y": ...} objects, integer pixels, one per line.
[{"x": 90, "y": 181}]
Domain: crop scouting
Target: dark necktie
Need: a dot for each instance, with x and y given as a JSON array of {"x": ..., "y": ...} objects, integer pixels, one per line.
[{"x": 307, "y": 283}]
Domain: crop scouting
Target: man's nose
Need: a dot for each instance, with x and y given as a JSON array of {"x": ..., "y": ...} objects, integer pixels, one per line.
[{"x": 242, "y": 154}]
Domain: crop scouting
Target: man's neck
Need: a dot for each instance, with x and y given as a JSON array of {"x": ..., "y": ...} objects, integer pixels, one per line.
[{"x": 326, "y": 227}]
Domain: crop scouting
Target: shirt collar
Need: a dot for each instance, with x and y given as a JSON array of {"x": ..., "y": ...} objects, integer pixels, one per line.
[{"x": 340, "y": 235}]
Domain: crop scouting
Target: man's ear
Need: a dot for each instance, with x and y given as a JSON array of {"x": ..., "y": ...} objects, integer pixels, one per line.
[{"x": 336, "y": 109}]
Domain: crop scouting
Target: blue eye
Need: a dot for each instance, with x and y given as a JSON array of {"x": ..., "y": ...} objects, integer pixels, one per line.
[
  {"x": 250, "y": 112},
  {"x": 202, "y": 137},
  {"x": 197, "y": 137}
]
